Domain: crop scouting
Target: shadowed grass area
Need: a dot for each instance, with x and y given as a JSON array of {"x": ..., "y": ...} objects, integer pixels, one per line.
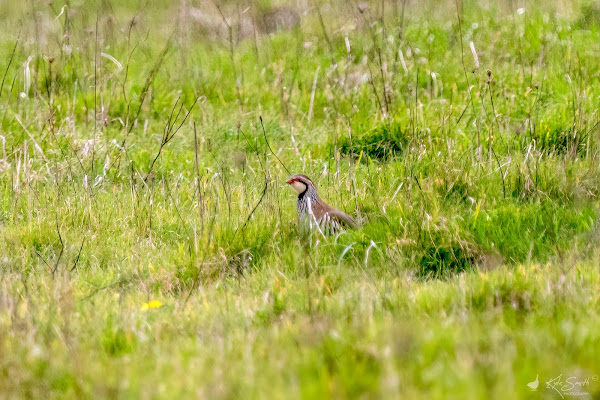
[
  {"x": 377, "y": 144},
  {"x": 134, "y": 171}
]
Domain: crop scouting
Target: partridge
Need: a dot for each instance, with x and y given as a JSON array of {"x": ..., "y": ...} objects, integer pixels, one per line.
[{"x": 312, "y": 210}]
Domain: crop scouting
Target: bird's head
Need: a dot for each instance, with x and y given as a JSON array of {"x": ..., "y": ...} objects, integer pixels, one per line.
[{"x": 300, "y": 183}]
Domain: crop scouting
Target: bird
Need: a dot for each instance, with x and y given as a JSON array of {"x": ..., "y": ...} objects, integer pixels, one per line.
[
  {"x": 313, "y": 211},
  {"x": 534, "y": 385}
]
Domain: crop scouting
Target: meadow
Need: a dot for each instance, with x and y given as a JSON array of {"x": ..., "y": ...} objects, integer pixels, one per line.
[{"x": 149, "y": 246}]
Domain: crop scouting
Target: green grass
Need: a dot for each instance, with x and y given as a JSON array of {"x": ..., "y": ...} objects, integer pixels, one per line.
[{"x": 476, "y": 265}]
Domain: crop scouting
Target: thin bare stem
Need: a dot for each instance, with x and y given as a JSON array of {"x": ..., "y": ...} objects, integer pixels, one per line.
[
  {"x": 12, "y": 55},
  {"x": 269, "y": 146}
]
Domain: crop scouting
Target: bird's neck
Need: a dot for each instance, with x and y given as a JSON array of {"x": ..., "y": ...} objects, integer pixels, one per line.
[{"x": 310, "y": 193}]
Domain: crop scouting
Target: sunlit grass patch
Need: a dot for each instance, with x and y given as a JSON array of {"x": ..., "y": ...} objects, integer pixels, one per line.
[{"x": 533, "y": 231}]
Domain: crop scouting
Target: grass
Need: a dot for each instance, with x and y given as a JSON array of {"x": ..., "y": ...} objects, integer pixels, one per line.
[
  {"x": 134, "y": 168},
  {"x": 380, "y": 143}
]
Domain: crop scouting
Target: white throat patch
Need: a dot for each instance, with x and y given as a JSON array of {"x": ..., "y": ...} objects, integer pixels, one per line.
[{"x": 298, "y": 186}]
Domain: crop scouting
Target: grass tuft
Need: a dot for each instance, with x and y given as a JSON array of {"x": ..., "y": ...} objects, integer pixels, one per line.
[{"x": 381, "y": 143}]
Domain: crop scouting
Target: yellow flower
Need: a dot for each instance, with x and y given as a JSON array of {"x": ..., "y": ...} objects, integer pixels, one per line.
[{"x": 151, "y": 304}]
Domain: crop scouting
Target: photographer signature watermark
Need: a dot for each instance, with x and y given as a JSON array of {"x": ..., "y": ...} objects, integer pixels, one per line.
[{"x": 566, "y": 385}]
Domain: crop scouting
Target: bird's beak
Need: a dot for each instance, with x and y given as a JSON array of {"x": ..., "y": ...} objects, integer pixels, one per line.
[{"x": 289, "y": 181}]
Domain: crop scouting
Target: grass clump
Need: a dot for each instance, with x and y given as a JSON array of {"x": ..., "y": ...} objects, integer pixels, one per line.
[
  {"x": 589, "y": 16},
  {"x": 533, "y": 231},
  {"x": 445, "y": 248},
  {"x": 561, "y": 139},
  {"x": 444, "y": 259},
  {"x": 381, "y": 143}
]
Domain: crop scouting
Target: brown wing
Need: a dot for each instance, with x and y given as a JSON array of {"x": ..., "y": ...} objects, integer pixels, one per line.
[
  {"x": 331, "y": 219},
  {"x": 342, "y": 218}
]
